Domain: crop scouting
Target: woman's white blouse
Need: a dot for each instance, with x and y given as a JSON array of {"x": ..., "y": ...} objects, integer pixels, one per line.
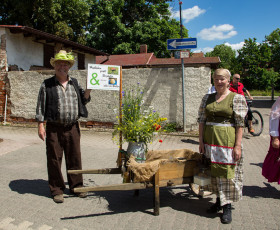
[{"x": 274, "y": 119}]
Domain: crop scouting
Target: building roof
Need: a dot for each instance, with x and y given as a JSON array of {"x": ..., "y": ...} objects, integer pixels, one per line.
[
  {"x": 50, "y": 38},
  {"x": 149, "y": 60},
  {"x": 128, "y": 60}
]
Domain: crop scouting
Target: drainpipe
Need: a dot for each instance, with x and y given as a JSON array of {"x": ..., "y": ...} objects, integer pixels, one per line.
[{"x": 5, "y": 114}]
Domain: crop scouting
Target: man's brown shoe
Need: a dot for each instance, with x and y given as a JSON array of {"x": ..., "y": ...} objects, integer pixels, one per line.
[
  {"x": 81, "y": 194},
  {"x": 58, "y": 198}
]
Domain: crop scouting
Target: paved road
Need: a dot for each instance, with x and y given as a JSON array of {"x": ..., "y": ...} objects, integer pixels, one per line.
[{"x": 26, "y": 203}]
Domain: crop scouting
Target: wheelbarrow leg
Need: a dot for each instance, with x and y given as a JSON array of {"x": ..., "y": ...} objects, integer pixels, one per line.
[{"x": 156, "y": 195}]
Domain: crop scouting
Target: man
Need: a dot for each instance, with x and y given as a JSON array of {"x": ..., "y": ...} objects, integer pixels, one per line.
[
  {"x": 237, "y": 87},
  {"x": 61, "y": 101}
]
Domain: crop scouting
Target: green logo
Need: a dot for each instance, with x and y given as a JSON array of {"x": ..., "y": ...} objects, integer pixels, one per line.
[{"x": 94, "y": 76}]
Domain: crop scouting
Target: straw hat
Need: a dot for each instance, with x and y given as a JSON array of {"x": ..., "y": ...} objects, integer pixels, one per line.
[{"x": 63, "y": 56}]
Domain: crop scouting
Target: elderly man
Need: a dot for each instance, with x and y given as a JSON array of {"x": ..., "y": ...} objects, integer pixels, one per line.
[
  {"x": 61, "y": 101},
  {"x": 237, "y": 87}
]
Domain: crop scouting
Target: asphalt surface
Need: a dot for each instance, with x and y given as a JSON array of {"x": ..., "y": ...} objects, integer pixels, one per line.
[{"x": 26, "y": 203}]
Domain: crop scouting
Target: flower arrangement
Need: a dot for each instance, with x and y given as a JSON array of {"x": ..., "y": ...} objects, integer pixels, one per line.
[{"x": 138, "y": 123}]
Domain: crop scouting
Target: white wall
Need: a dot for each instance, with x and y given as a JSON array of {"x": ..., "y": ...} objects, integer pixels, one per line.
[
  {"x": 23, "y": 52},
  {"x": 89, "y": 59}
]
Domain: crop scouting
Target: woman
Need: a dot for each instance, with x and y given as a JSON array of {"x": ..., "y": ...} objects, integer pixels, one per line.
[
  {"x": 221, "y": 120},
  {"x": 271, "y": 165}
]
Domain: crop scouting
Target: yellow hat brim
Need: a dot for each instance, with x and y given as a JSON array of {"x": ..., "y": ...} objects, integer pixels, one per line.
[{"x": 53, "y": 60}]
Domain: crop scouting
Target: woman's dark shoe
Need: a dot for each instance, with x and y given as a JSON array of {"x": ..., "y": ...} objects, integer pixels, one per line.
[
  {"x": 215, "y": 207},
  {"x": 226, "y": 217}
]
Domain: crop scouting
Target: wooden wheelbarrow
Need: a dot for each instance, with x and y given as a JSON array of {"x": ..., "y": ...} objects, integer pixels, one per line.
[{"x": 170, "y": 173}]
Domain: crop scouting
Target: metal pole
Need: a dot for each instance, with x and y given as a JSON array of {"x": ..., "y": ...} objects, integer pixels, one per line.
[{"x": 183, "y": 79}]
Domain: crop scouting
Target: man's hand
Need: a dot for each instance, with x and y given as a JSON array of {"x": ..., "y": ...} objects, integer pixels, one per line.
[
  {"x": 275, "y": 142},
  {"x": 87, "y": 93},
  {"x": 41, "y": 131}
]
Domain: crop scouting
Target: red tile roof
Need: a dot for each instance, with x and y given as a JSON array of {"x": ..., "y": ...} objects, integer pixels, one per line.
[
  {"x": 149, "y": 60},
  {"x": 125, "y": 59}
]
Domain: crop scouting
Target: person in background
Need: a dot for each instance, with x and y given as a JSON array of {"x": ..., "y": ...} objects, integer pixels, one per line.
[
  {"x": 271, "y": 164},
  {"x": 221, "y": 120},
  {"x": 237, "y": 87},
  {"x": 61, "y": 101}
]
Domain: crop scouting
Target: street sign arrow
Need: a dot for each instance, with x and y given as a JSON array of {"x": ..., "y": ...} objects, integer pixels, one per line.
[{"x": 181, "y": 43}]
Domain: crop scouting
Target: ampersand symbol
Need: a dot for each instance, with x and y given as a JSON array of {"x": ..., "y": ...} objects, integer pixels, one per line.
[{"x": 94, "y": 76}]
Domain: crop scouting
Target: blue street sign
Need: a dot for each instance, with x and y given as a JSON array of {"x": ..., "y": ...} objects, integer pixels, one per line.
[{"x": 181, "y": 43}]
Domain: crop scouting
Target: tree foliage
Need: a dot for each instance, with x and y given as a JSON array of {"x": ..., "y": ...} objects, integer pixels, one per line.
[
  {"x": 113, "y": 26},
  {"x": 121, "y": 26},
  {"x": 257, "y": 63},
  {"x": 273, "y": 41},
  {"x": 67, "y": 19},
  {"x": 226, "y": 55}
]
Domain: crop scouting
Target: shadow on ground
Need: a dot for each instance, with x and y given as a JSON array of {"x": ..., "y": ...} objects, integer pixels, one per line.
[
  {"x": 264, "y": 192},
  {"x": 126, "y": 201},
  {"x": 190, "y": 141},
  {"x": 37, "y": 187}
]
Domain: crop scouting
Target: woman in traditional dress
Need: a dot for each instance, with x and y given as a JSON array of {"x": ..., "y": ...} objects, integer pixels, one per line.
[
  {"x": 221, "y": 121},
  {"x": 271, "y": 164}
]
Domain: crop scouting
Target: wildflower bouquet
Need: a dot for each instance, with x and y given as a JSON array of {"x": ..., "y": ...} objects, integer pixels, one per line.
[{"x": 138, "y": 123}]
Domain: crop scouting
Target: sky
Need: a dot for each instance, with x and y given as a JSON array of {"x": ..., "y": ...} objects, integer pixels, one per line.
[{"x": 215, "y": 22}]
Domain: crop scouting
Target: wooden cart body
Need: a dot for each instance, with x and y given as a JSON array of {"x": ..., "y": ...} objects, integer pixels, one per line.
[{"x": 170, "y": 173}]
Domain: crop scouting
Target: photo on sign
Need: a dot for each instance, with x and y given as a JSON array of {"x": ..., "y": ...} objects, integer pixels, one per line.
[
  {"x": 113, "y": 81},
  {"x": 113, "y": 70}
]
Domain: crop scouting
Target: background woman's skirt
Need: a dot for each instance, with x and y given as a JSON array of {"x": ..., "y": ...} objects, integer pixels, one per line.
[{"x": 271, "y": 165}]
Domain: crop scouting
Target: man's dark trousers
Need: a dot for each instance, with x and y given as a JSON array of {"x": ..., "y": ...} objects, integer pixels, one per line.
[{"x": 61, "y": 139}]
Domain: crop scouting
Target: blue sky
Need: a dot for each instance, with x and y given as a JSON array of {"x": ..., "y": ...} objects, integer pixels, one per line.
[{"x": 215, "y": 22}]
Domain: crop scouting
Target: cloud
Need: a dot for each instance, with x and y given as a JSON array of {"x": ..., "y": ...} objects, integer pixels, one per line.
[
  {"x": 188, "y": 14},
  {"x": 236, "y": 46},
  {"x": 217, "y": 32},
  {"x": 204, "y": 50}
]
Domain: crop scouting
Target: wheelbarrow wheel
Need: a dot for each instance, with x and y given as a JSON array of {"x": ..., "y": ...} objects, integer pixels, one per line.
[{"x": 199, "y": 191}]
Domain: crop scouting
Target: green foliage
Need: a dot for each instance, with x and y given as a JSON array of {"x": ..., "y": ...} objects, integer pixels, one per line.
[
  {"x": 112, "y": 26},
  {"x": 120, "y": 27},
  {"x": 273, "y": 40},
  {"x": 226, "y": 55},
  {"x": 254, "y": 58},
  {"x": 138, "y": 123},
  {"x": 263, "y": 93},
  {"x": 171, "y": 127},
  {"x": 67, "y": 19}
]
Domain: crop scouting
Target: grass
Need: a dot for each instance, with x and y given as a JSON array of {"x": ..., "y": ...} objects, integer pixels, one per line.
[{"x": 263, "y": 93}]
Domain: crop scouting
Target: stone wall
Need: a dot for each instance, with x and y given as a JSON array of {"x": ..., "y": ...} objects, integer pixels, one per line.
[{"x": 162, "y": 87}]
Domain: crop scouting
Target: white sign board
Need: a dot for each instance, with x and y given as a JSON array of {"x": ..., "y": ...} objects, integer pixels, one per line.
[
  {"x": 184, "y": 54},
  {"x": 105, "y": 77}
]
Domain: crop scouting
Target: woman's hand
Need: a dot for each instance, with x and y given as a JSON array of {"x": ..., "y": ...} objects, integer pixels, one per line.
[
  {"x": 275, "y": 142},
  {"x": 236, "y": 154}
]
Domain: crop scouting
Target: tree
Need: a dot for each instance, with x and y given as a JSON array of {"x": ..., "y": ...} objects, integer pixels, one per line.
[
  {"x": 121, "y": 26},
  {"x": 226, "y": 55},
  {"x": 273, "y": 40},
  {"x": 67, "y": 19},
  {"x": 255, "y": 59}
]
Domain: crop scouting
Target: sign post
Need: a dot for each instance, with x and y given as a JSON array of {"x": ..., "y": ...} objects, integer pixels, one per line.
[
  {"x": 107, "y": 77},
  {"x": 182, "y": 44}
]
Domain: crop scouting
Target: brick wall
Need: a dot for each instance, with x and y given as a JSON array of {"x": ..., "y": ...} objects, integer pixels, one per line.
[{"x": 3, "y": 76}]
